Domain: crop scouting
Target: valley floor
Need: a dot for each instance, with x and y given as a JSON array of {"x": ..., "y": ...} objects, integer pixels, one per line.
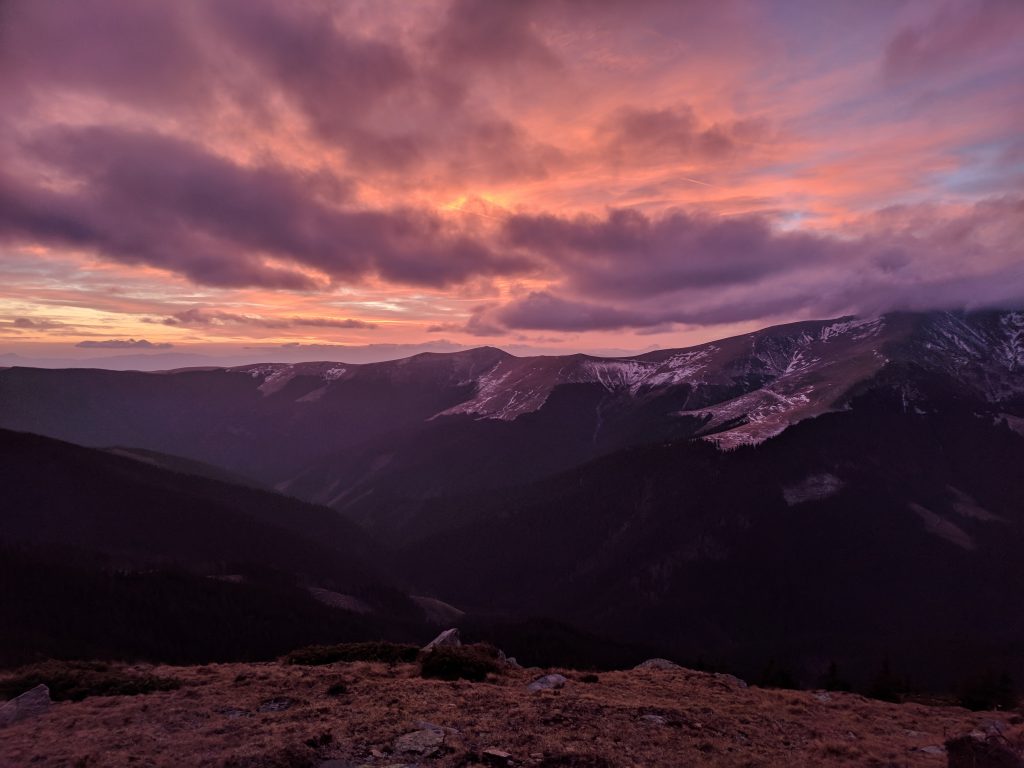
[{"x": 272, "y": 714}]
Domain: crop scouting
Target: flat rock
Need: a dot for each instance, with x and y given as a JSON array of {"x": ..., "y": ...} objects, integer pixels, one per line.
[
  {"x": 425, "y": 742},
  {"x": 233, "y": 712},
  {"x": 279, "y": 704},
  {"x": 32, "y": 703},
  {"x": 663, "y": 664},
  {"x": 423, "y": 725},
  {"x": 653, "y": 719},
  {"x": 448, "y": 638},
  {"x": 546, "y": 683}
]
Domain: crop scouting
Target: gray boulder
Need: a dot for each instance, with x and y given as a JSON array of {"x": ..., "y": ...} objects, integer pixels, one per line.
[
  {"x": 546, "y": 683},
  {"x": 450, "y": 638},
  {"x": 425, "y": 742},
  {"x": 734, "y": 682},
  {"x": 29, "y": 704}
]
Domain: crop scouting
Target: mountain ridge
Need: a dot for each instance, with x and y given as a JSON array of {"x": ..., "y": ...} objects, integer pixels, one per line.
[{"x": 333, "y": 432}]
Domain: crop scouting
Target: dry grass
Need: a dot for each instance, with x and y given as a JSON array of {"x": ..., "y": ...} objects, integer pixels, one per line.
[
  {"x": 355, "y": 712},
  {"x": 76, "y": 680}
]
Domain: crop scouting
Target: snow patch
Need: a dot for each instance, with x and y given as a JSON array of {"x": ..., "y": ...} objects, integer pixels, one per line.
[
  {"x": 333, "y": 374},
  {"x": 338, "y": 600},
  {"x": 1016, "y": 423},
  {"x": 939, "y": 526},
  {"x": 965, "y": 506},
  {"x": 312, "y": 397},
  {"x": 858, "y": 329},
  {"x": 813, "y": 488},
  {"x": 277, "y": 380}
]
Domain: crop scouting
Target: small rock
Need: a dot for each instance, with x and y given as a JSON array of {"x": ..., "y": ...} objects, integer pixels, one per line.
[
  {"x": 376, "y": 753},
  {"x": 424, "y": 725},
  {"x": 495, "y": 756},
  {"x": 972, "y": 752},
  {"x": 823, "y": 696},
  {"x": 546, "y": 683},
  {"x": 277, "y": 704},
  {"x": 508, "y": 661},
  {"x": 993, "y": 726},
  {"x": 32, "y": 703},
  {"x": 662, "y": 664},
  {"x": 426, "y": 742},
  {"x": 449, "y": 638},
  {"x": 933, "y": 749},
  {"x": 653, "y": 719}
]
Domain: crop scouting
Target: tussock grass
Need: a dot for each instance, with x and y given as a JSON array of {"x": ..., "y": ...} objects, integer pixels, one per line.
[
  {"x": 77, "y": 680},
  {"x": 467, "y": 662},
  {"x": 388, "y": 653}
]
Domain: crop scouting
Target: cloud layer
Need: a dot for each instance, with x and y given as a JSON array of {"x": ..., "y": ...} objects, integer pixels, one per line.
[{"x": 378, "y": 172}]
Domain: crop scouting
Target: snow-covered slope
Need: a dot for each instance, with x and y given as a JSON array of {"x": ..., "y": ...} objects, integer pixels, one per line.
[
  {"x": 765, "y": 380},
  {"x": 745, "y": 389}
]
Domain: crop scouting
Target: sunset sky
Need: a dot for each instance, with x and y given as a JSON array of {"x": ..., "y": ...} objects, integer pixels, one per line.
[{"x": 233, "y": 176}]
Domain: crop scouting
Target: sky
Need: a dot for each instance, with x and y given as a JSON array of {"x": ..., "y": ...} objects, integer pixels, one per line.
[{"x": 281, "y": 179}]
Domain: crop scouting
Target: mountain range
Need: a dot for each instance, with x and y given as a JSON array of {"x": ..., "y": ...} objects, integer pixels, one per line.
[{"x": 841, "y": 490}]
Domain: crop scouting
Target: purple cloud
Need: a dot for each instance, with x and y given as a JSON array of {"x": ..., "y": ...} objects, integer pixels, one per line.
[
  {"x": 635, "y": 134},
  {"x": 491, "y": 34},
  {"x": 203, "y": 318},
  {"x": 151, "y": 199},
  {"x": 956, "y": 34},
  {"x": 123, "y": 344},
  {"x": 146, "y": 54},
  {"x": 31, "y": 324},
  {"x": 629, "y": 270},
  {"x": 627, "y": 253}
]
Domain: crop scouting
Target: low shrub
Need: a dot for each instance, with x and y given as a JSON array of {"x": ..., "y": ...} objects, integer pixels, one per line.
[
  {"x": 466, "y": 662},
  {"x": 389, "y": 653},
  {"x": 76, "y": 680}
]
